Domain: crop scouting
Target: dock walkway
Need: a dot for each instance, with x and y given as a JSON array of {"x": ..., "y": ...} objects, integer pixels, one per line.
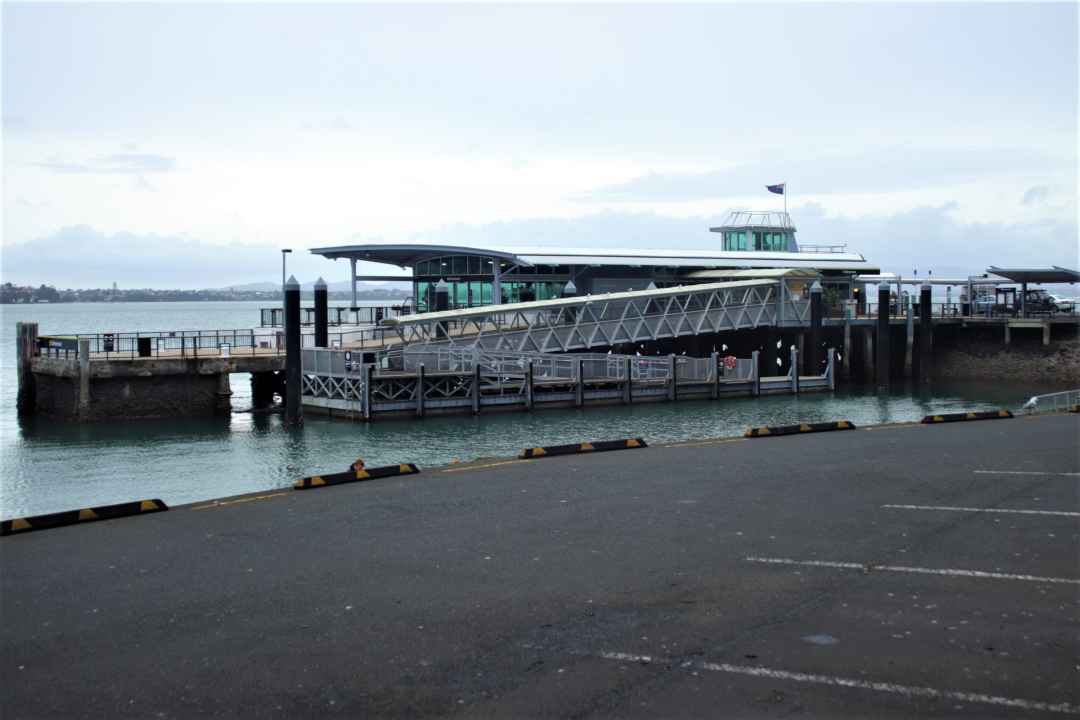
[{"x": 892, "y": 572}]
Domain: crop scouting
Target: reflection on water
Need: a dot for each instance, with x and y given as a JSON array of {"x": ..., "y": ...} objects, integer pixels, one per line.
[{"x": 51, "y": 466}]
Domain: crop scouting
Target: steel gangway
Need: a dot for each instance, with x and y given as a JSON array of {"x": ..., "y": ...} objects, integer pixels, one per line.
[{"x": 608, "y": 320}]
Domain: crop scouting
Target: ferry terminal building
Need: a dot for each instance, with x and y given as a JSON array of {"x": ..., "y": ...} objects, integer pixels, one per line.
[{"x": 751, "y": 244}]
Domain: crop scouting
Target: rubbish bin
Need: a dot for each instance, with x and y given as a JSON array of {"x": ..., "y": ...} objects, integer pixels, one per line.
[{"x": 144, "y": 346}]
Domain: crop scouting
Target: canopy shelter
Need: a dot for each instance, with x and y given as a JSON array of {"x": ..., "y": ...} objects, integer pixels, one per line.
[{"x": 1053, "y": 274}]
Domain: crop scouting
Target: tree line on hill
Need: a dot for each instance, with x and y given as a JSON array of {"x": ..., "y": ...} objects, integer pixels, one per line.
[{"x": 17, "y": 294}]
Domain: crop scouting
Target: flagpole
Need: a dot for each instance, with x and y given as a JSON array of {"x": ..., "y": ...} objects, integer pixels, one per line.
[{"x": 785, "y": 197}]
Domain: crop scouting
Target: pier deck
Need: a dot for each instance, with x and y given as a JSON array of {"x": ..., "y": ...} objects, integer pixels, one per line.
[{"x": 831, "y": 575}]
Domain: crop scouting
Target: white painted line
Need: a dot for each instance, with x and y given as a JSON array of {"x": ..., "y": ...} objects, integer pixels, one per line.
[
  {"x": 1026, "y": 472},
  {"x": 917, "y": 570},
  {"x": 910, "y": 691},
  {"x": 1060, "y": 513}
]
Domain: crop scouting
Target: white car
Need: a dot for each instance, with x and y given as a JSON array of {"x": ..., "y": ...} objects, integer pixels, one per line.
[{"x": 1065, "y": 304}]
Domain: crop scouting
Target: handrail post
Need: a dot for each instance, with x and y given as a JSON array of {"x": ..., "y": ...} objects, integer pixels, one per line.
[{"x": 627, "y": 392}]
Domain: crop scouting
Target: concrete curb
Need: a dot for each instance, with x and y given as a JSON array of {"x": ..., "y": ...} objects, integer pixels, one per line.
[
  {"x": 799, "y": 429},
  {"x": 83, "y": 515},
  {"x": 959, "y": 417},
  {"x": 585, "y": 447},
  {"x": 350, "y": 476}
]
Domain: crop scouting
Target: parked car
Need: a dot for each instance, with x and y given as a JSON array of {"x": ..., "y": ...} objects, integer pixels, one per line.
[{"x": 1064, "y": 304}]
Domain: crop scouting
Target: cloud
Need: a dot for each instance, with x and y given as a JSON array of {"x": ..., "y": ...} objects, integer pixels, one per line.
[
  {"x": 82, "y": 256},
  {"x": 881, "y": 170},
  {"x": 925, "y": 237},
  {"x": 125, "y": 163},
  {"x": 1036, "y": 195}
]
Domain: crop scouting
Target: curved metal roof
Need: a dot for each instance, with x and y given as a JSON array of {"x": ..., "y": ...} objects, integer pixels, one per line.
[{"x": 406, "y": 254}]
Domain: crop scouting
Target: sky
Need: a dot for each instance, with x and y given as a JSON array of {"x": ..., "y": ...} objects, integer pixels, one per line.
[{"x": 183, "y": 145}]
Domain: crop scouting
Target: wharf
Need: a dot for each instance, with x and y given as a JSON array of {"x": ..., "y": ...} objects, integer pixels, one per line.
[{"x": 889, "y": 572}]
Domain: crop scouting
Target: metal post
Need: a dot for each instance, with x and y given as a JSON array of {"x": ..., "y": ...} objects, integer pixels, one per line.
[
  {"x": 352, "y": 282},
  {"x": 529, "y": 386},
  {"x": 420, "y": 391},
  {"x": 83, "y": 410},
  {"x": 794, "y": 371},
  {"x": 830, "y": 368},
  {"x": 755, "y": 375},
  {"x": 883, "y": 336},
  {"x": 909, "y": 334},
  {"x": 442, "y": 303},
  {"x": 284, "y": 252},
  {"x": 496, "y": 282},
  {"x": 813, "y": 357},
  {"x": 579, "y": 390},
  {"x": 845, "y": 365},
  {"x": 322, "y": 310},
  {"x": 714, "y": 363},
  {"x": 1023, "y": 299},
  {"x": 868, "y": 354},
  {"x": 26, "y": 349},
  {"x": 476, "y": 386},
  {"x": 627, "y": 391},
  {"x": 672, "y": 391},
  {"x": 294, "y": 414},
  {"x": 366, "y": 374},
  {"x": 926, "y": 333}
]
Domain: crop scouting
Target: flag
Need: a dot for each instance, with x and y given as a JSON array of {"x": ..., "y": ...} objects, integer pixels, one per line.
[{"x": 778, "y": 189}]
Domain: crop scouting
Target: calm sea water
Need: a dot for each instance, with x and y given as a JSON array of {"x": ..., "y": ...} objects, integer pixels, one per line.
[{"x": 49, "y": 466}]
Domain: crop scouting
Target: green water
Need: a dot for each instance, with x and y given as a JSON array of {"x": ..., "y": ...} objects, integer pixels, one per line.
[{"x": 49, "y": 466}]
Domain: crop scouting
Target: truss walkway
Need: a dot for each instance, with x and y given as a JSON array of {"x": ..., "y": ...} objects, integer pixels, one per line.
[{"x": 581, "y": 323}]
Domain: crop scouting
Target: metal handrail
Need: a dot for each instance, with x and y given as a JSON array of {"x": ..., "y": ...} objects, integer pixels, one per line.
[{"x": 1052, "y": 402}]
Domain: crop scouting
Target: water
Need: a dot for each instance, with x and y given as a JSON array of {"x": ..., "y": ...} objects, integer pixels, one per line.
[{"x": 49, "y": 466}]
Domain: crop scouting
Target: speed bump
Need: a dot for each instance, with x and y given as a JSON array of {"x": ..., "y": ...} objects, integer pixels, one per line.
[
  {"x": 73, "y": 517},
  {"x": 959, "y": 417},
  {"x": 355, "y": 475},
  {"x": 585, "y": 447},
  {"x": 771, "y": 430}
]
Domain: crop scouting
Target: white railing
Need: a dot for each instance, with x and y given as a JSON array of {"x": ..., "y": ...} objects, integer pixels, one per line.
[{"x": 1052, "y": 402}]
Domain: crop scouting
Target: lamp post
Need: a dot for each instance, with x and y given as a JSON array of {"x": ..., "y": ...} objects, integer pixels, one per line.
[{"x": 284, "y": 252}]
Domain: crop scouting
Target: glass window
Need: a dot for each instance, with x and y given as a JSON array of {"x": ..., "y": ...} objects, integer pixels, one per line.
[
  {"x": 474, "y": 265},
  {"x": 759, "y": 241},
  {"x": 486, "y": 293}
]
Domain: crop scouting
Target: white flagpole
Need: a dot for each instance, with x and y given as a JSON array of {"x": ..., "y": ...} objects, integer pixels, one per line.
[{"x": 785, "y": 197}]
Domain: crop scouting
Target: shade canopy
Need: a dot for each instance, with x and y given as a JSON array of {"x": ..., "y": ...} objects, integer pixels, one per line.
[{"x": 1052, "y": 274}]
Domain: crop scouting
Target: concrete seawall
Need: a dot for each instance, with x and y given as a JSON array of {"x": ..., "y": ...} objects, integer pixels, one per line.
[{"x": 986, "y": 356}]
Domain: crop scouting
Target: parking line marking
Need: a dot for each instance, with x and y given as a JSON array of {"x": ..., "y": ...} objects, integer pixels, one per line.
[
  {"x": 1026, "y": 472},
  {"x": 916, "y": 570},
  {"x": 481, "y": 467},
  {"x": 910, "y": 691},
  {"x": 223, "y": 503},
  {"x": 1061, "y": 513}
]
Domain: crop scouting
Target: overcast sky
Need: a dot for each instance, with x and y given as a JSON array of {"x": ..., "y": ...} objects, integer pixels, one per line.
[{"x": 182, "y": 145}]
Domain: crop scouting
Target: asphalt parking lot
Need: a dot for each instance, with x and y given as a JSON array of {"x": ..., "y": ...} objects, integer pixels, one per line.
[{"x": 907, "y": 571}]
